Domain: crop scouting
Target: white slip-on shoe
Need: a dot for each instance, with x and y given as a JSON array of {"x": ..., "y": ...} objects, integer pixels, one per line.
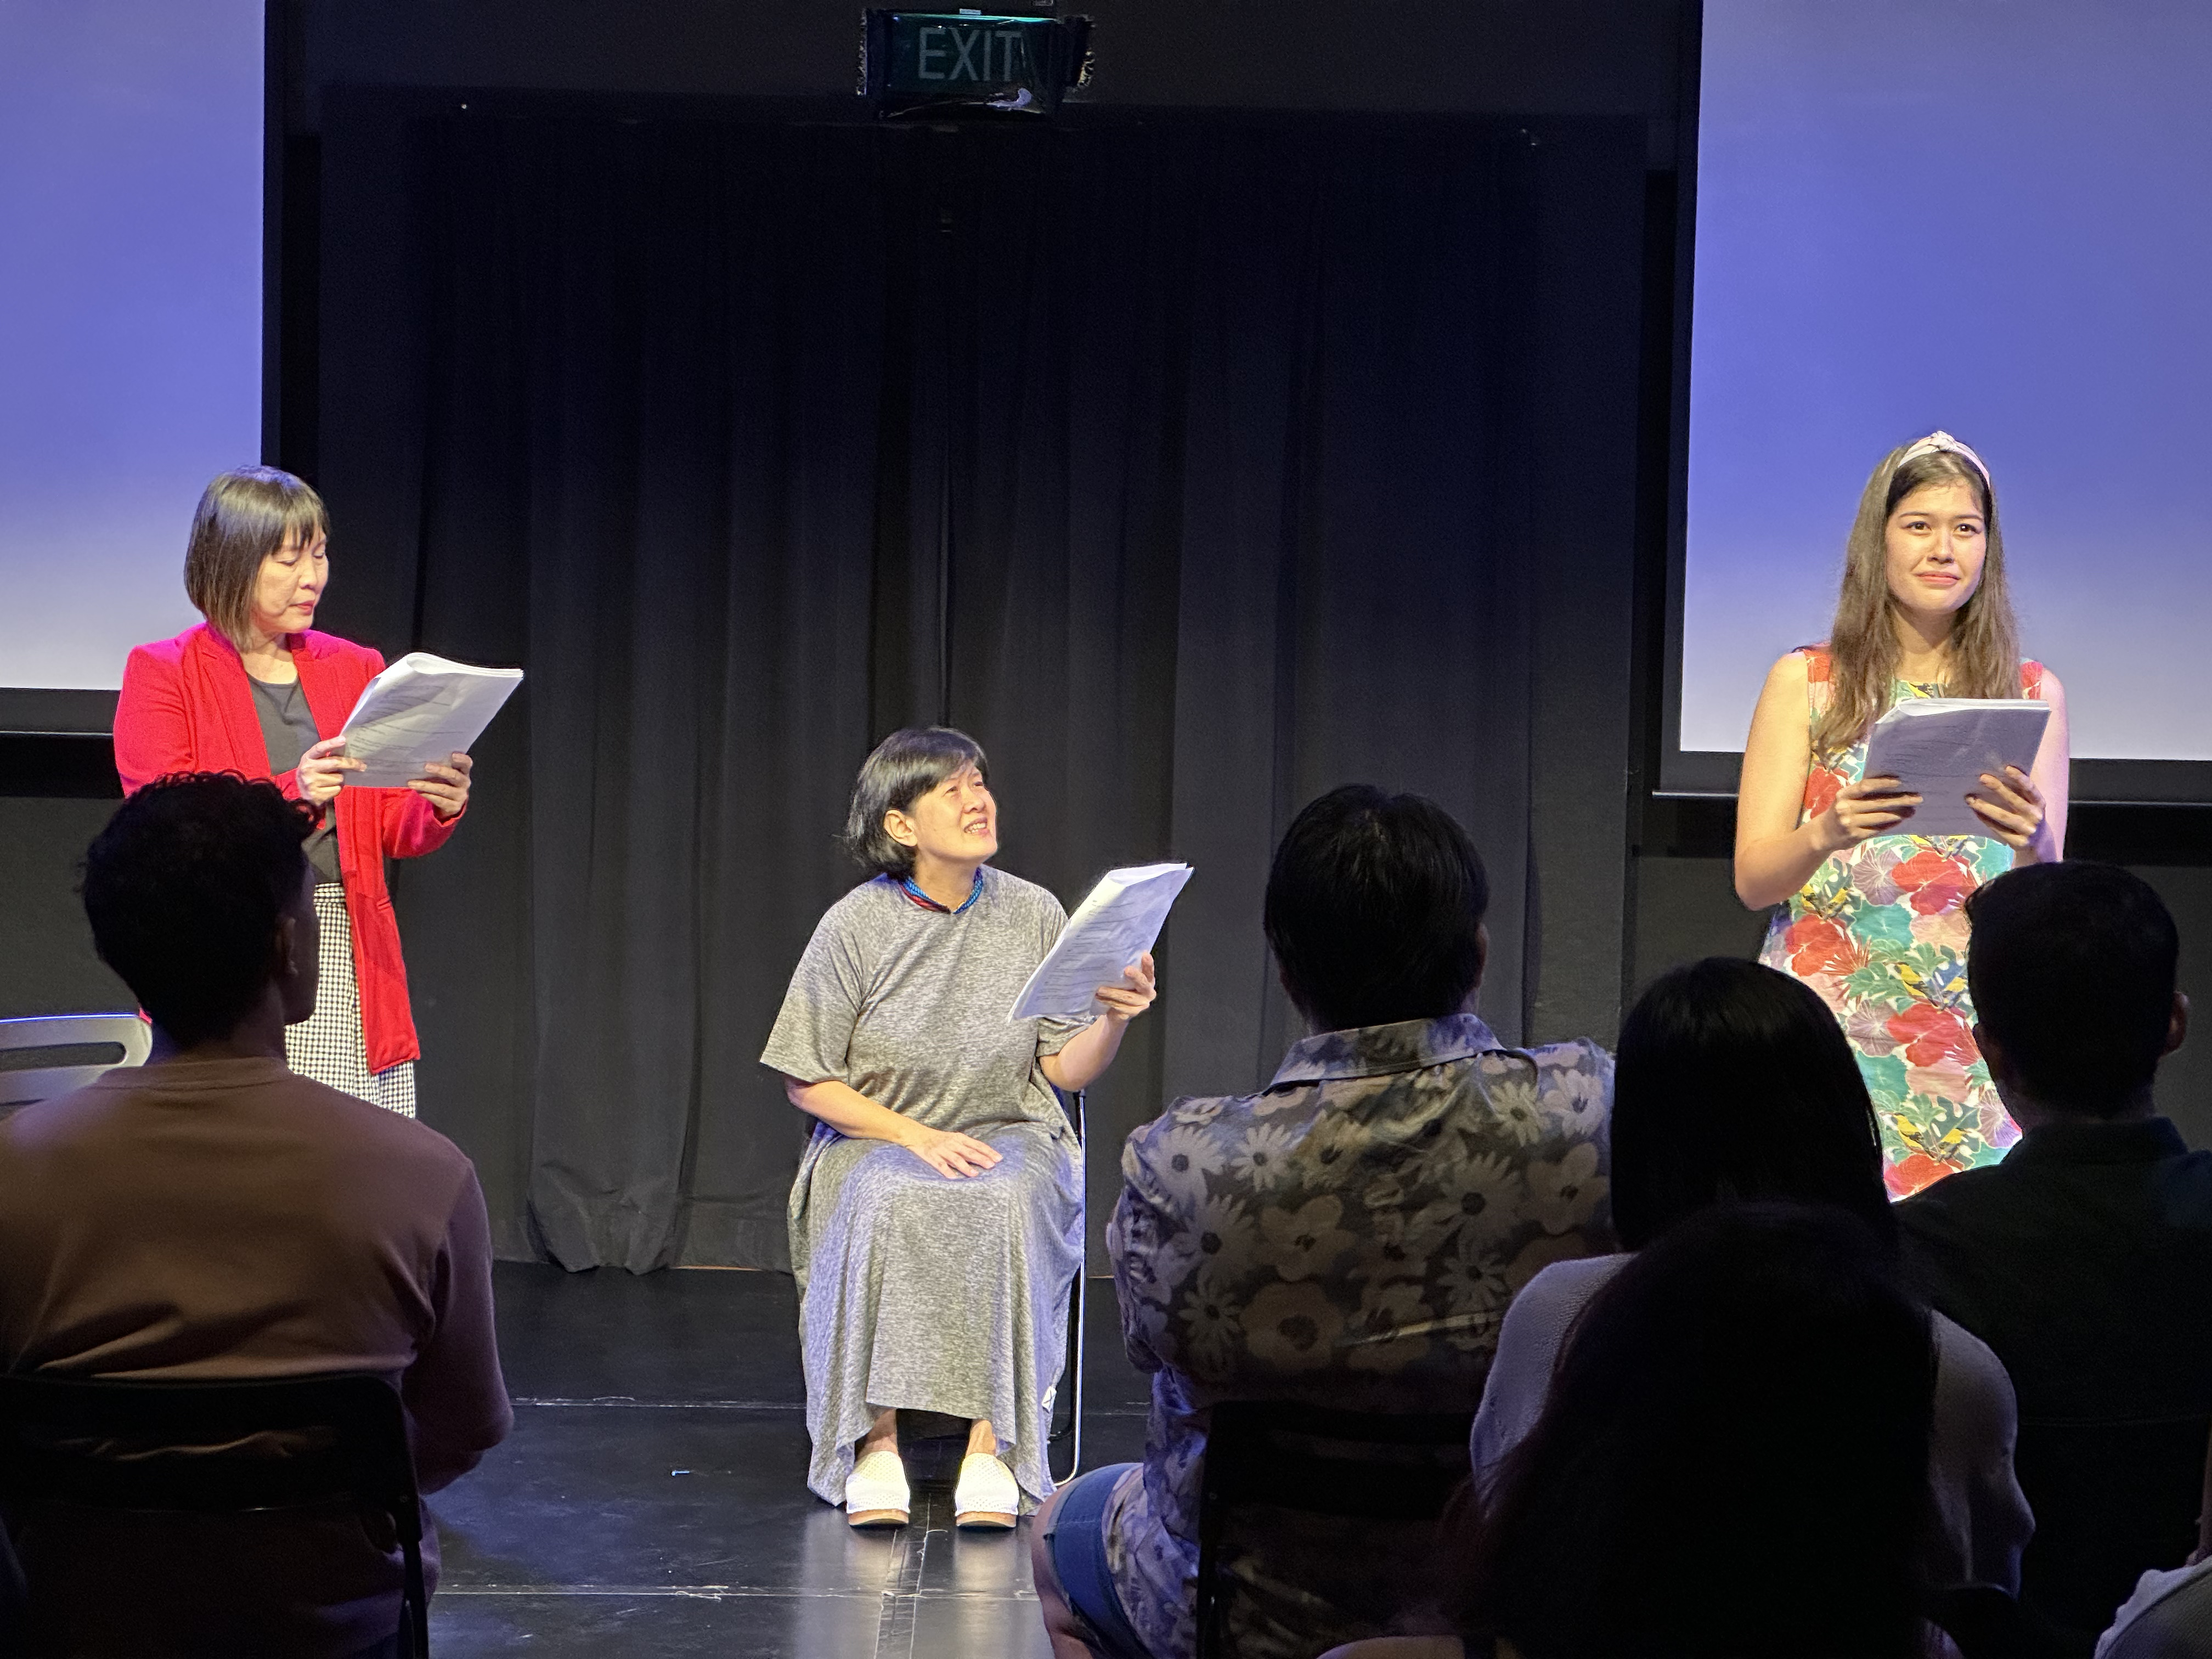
[
  {"x": 876, "y": 1493},
  {"x": 987, "y": 1496}
]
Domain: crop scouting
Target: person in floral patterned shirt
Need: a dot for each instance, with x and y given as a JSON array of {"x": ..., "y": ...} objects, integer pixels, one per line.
[
  {"x": 1872, "y": 916},
  {"x": 1348, "y": 1236}
]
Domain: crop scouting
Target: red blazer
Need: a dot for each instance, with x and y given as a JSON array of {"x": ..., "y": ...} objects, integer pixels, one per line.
[{"x": 186, "y": 707}]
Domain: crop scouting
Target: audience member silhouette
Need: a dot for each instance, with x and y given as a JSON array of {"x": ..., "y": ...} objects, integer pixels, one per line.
[
  {"x": 1348, "y": 1236},
  {"x": 213, "y": 1215},
  {"x": 1732, "y": 1461},
  {"x": 2085, "y": 1257},
  {"x": 1732, "y": 1082}
]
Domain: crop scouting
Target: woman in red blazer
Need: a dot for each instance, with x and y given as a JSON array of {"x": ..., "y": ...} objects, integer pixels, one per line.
[{"x": 255, "y": 690}]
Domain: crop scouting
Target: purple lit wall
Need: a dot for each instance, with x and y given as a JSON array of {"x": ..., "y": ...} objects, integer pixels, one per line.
[
  {"x": 1993, "y": 216},
  {"x": 129, "y": 313}
]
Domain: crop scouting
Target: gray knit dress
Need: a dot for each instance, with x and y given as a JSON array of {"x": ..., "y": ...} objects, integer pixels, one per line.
[{"x": 917, "y": 1290}]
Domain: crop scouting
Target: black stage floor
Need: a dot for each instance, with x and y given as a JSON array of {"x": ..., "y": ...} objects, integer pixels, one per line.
[{"x": 652, "y": 1499}]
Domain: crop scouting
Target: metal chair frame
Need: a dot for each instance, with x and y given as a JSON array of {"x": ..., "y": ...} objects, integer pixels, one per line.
[
  {"x": 368, "y": 1461},
  {"x": 128, "y": 1032},
  {"x": 1070, "y": 1391}
]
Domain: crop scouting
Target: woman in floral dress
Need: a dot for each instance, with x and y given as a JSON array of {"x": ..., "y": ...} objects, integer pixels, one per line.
[{"x": 1873, "y": 916}]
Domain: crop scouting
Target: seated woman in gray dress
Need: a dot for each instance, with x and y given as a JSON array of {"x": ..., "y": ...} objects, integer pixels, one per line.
[{"x": 937, "y": 1220}]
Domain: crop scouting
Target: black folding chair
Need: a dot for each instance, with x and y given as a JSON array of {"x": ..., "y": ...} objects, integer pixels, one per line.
[
  {"x": 1355, "y": 1465},
  {"x": 1984, "y": 1622},
  {"x": 1064, "y": 1445},
  {"x": 2111, "y": 1500},
  {"x": 354, "y": 1449}
]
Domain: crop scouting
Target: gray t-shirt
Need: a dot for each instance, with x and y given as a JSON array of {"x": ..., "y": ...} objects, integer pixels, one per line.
[
  {"x": 908, "y": 1005},
  {"x": 288, "y": 732}
]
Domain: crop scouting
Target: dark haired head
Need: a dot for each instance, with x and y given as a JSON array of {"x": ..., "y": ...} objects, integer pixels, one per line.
[
  {"x": 1374, "y": 909},
  {"x": 903, "y": 768},
  {"x": 2072, "y": 970},
  {"x": 1733, "y": 1459},
  {"x": 244, "y": 516},
  {"x": 1733, "y": 1081},
  {"x": 185, "y": 888}
]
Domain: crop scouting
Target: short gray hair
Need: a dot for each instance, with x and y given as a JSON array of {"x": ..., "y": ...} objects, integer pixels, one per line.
[{"x": 903, "y": 768}]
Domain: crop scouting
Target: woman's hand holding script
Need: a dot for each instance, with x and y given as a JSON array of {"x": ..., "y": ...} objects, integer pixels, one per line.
[
  {"x": 1125, "y": 1001},
  {"x": 445, "y": 787},
  {"x": 322, "y": 771},
  {"x": 2013, "y": 810},
  {"x": 1872, "y": 806}
]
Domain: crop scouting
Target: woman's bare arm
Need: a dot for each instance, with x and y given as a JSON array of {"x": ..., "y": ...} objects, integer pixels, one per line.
[
  {"x": 1091, "y": 1050},
  {"x": 1775, "y": 854},
  {"x": 2053, "y": 768},
  {"x": 849, "y": 1112}
]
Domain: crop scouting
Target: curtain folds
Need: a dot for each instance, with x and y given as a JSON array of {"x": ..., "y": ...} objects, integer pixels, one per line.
[{"x": 1179, "y": 462}]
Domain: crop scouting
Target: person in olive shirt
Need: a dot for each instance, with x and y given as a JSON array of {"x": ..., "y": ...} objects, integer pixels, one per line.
[{"x": 2084, "y": 1258}]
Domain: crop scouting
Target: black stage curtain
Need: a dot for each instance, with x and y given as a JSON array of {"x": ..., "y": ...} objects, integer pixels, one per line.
[{"x": 1193, "y": 466}]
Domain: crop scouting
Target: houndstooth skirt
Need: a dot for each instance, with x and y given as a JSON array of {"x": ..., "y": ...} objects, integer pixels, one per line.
[{"x": 327, "y": 1045}]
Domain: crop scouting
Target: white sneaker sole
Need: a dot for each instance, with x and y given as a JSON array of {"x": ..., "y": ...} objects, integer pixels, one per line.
[
  {"x": 881, "y": 1503},
  {"x": 993, "y": 1500}
]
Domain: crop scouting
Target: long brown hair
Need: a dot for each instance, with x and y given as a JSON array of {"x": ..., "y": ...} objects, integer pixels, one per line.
[
  {"x": 1862, "y": 644},
  {"x": 245, "y": 515}
]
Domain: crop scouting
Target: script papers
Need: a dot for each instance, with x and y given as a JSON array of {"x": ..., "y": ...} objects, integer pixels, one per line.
[
  {"x": 1111, "y": 929},
  {"x": 1939, "y": 747},
  {"x": 422, "y": 708}
]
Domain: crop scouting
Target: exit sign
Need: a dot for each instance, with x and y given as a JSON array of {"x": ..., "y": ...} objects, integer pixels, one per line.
[{"x": 968, "y": 62}]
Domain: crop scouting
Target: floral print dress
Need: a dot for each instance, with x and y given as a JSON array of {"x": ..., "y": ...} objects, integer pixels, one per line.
[{"x": 1881, "y": 933}]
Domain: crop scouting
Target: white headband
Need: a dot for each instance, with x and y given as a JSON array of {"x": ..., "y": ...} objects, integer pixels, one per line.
[{"x": 1945, "y": 444}]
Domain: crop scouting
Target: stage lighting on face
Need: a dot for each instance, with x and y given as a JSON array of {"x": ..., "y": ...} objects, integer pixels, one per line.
[{"x": 970, "y": 63}]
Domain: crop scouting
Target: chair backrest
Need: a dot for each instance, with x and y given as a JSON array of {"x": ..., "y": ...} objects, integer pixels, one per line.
[
  {"x": 1400, "y": 1467},
  {"x": 353, "y": 1447},
  {"x": 2111, "y": 1501},
  {"x": 54, "y": 1053},
  {"x": 1984, "y": 1622}
]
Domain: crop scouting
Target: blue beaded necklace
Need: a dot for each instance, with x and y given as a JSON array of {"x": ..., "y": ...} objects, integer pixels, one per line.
[{"x": 912, "y": 891}]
